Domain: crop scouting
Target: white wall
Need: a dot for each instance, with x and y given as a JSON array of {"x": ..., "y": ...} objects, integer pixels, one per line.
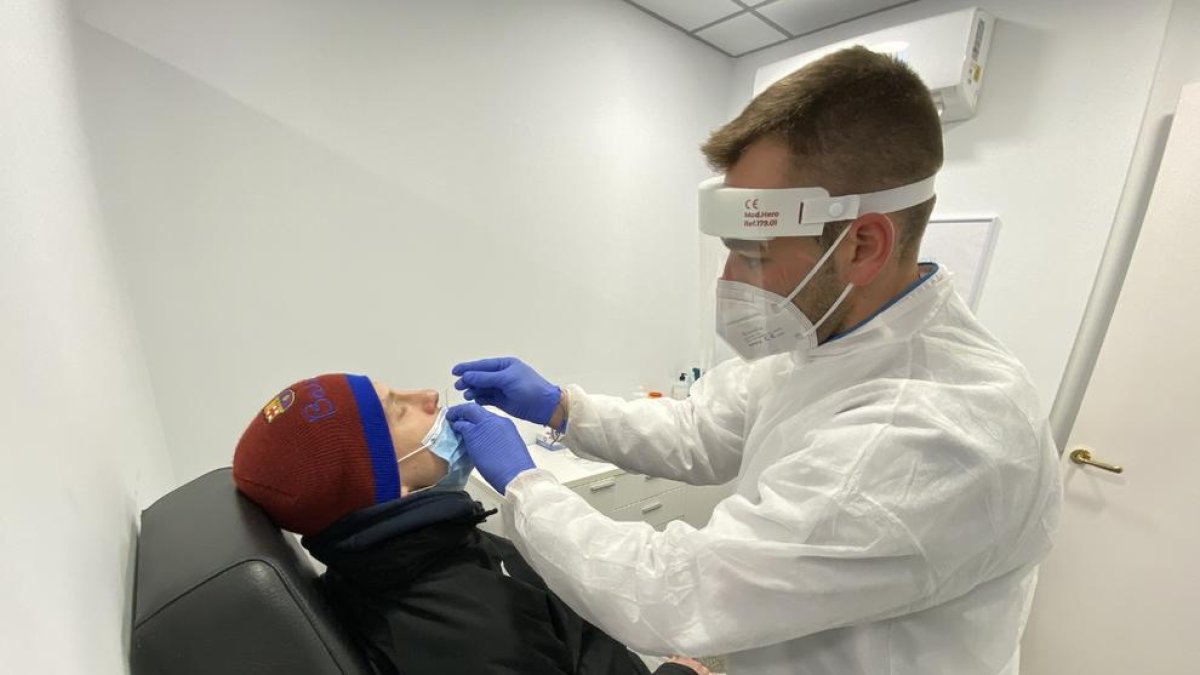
[
  {"x": 82, "y": 450},
  {"x": 295, "y": 187},
  {"x": 303, "y": 186},
  {"x": 1060, "y": 111}
]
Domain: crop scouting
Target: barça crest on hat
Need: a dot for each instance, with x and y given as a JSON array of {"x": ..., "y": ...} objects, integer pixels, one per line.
[{"x": 279, "y": 404}]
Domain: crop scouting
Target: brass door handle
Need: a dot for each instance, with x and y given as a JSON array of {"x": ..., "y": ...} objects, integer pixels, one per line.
[{"x": 1084, "y": 456}]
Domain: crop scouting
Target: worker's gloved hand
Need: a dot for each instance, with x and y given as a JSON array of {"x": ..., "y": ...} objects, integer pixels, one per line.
[
  {"x": 493, "y": 443},
  {"x": 510, "y": 385}
]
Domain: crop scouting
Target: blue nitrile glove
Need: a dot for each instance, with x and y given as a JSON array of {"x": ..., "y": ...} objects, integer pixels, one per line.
[
  {"x": 510, "y": 385},
  {"x": 493, "y": 443}
]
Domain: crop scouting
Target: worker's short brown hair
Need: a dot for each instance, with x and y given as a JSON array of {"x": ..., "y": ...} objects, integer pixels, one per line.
[{"x": 861, "y": 121}]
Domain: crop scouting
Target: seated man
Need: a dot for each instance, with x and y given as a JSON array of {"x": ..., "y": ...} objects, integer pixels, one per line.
[{"x": 372, "y": 478}]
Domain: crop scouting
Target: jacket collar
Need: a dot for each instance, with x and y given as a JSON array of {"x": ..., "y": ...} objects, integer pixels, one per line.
[{"x": 396, "y": 539}]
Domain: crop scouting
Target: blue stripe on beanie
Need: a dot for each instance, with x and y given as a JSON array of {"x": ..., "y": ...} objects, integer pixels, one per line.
[{"x": 379, "y": 438}]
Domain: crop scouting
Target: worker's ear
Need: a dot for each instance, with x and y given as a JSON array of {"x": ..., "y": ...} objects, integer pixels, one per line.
[{"x": 867, "y": 248}]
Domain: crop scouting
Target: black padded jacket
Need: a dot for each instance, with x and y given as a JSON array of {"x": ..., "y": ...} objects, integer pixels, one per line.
[{"x": 424, "y": 591}]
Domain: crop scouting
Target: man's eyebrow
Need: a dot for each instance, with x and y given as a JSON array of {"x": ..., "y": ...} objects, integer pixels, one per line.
[{"x": 745, "y": 245}]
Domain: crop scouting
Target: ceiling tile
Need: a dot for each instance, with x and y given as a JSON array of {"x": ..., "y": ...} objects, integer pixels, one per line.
[
  {"x": 805, "y": 16},
  {"x": 741, "y": 34},
  {"x": 691, "y": 14}
]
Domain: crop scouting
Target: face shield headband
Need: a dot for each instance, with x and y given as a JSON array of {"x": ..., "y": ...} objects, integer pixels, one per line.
[{"x": 762, "y": 214}]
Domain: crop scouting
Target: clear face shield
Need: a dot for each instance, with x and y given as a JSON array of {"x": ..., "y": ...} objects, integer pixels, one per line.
[{"x": 754, "y": 309}]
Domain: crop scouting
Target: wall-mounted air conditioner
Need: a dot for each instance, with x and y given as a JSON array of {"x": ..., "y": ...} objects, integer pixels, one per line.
[{"x": 949, "y": 52}]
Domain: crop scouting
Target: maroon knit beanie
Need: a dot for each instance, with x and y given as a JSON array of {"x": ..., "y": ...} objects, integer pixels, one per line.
[{"x": 318, "y": 451}]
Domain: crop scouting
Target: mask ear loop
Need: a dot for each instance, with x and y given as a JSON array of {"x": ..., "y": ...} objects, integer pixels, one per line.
[
  {"x": 431, "y": 436},
  {"x": 832, "y": 308},
  {"x": 849, "y": 287},
  {"x": 816, "y": 268},
  {"x": 401, "y": 461},
  {"x": 423, "y": 446}
]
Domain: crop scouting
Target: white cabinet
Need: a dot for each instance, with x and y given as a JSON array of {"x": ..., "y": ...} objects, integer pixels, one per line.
[
  {"x": 611, "y": 491},
  {"x": 634, "y": 488},
  {"x": 699, "y": 502},
  {"x": 658, "y": 510}
]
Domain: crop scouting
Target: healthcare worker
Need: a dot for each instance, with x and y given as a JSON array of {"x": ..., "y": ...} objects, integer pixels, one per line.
[{"x": 896, "y": 480}]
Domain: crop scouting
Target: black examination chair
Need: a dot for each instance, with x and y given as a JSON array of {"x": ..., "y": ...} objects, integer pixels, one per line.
[{"x": 221, "y": 590}]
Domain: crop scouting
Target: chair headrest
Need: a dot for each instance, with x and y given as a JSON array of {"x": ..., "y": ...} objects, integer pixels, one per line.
[{"x": 220, "y": 589}]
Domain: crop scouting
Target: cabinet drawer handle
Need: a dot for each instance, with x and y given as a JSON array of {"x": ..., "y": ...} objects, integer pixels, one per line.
[
  {"x": 651, "y": 508},
  {"x": 602, "y": 485}
]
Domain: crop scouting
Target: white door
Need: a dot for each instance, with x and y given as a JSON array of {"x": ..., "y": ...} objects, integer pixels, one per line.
[{"x": 1120, "y": 593}]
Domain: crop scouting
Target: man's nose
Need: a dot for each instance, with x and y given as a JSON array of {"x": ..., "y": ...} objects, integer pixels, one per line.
[
  {"x": 429, "y": 399},
  {"x": 736, "y": 271}
]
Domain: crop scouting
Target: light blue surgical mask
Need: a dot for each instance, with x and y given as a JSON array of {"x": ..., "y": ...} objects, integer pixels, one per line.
[{"x": 444, "y": 442}]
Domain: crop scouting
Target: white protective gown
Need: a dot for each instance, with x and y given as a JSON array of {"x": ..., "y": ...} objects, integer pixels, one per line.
[{"x": 895, "y": 494}]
